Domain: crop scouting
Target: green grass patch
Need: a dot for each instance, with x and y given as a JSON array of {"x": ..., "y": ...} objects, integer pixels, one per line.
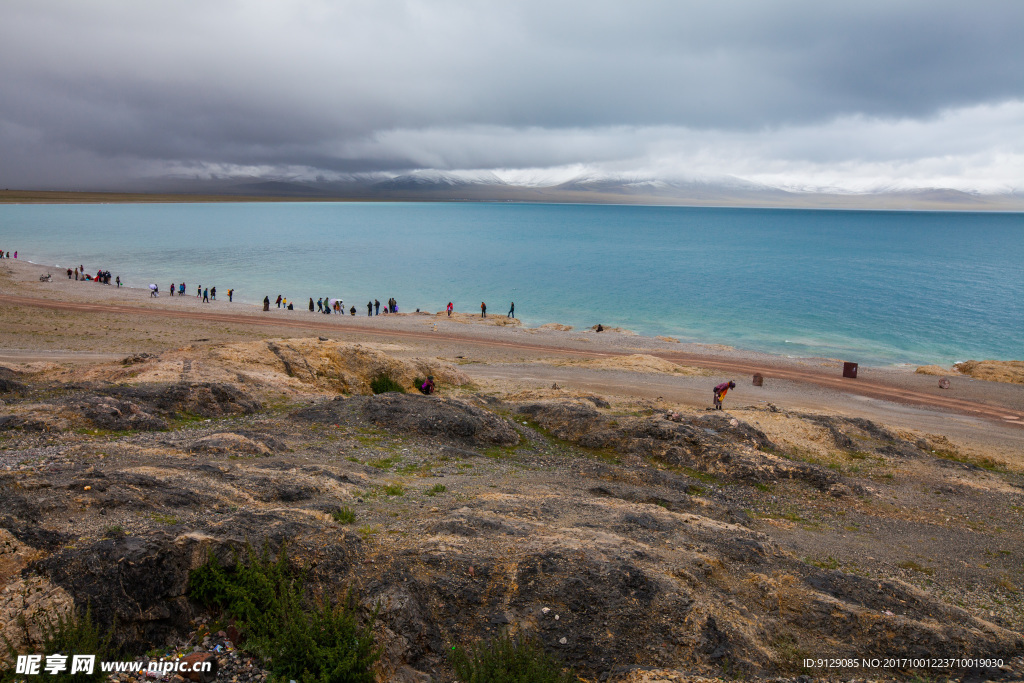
[
  {"x": 914, "y": 566},
  {"x": 298, "y": 636},
  {"x": 827, "y": 563},
  {"x": 385, "y": 463},
  {"x": 382, "y": 384},
  {"x": 169, "y": 520},
  {"x": 435, "y": 489},
  {"x": 507, "y": 660},
  {"x": 984, "y": 463},
  {"x": 344, "y": 515},
  {"x": 394, "y": 490}
]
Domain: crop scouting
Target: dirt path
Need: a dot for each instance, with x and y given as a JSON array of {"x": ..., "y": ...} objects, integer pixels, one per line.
[{"x": 876, "y": 389}]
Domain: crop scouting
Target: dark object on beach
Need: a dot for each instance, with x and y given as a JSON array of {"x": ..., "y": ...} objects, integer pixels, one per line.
[
  {"x": 600, "y": 328},
  {"x": 266, "y": 303},
  {"x": 943, "y": 383},
  {"x": 758, "y": 379},
  {"x": 850, "y": 370}
]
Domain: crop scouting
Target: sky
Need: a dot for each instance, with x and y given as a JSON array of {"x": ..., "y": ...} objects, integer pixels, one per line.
[{"x": 855, "y": 96}]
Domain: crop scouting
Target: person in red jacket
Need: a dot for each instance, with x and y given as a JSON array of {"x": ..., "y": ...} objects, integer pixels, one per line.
[{"x": 721, "y": 390}]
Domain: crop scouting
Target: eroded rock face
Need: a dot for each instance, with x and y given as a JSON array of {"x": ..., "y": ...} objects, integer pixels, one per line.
[
  {"x": 106, "y": 412},
  {"x": 415, "y": 414},
  {"x": 611, "y": 562},
  {"x": 229, "y": 442},
  {"x": 433, "y": 416},
  {"x": 714, "y": 444},
  {"x": 207, "y": 399}
]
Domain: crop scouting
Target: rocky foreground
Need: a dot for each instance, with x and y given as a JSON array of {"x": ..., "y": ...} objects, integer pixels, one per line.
[{"x": 638, "y": 542}]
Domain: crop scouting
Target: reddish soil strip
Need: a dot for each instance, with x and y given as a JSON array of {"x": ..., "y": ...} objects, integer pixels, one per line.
[{"x": 869, "y": 388}]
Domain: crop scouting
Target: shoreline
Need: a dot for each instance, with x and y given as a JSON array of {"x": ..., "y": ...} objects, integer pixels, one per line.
[
  {"x": 611, "y": 338},
  {"x": 554, "y": 329},
  {"x": 494, "y": 341}
]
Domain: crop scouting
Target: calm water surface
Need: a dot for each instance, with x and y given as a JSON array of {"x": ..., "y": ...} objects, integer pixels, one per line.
[{"x": 872, "y": 287}]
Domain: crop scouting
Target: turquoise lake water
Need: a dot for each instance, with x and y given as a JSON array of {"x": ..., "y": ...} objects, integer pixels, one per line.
[{"x": 872, "y": 287}]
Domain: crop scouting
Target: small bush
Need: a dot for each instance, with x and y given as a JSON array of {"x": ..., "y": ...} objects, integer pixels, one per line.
[
  {"x": 344, "y": 515},
  {"x": 298, "y": 637},
  {"x": 436, "y": 489},
  {"x": 394, "y": 490},
  {"x": 76, "y": 634},
  {"x": 381, "y": 384},
  {"x": 505, "y": 660}
]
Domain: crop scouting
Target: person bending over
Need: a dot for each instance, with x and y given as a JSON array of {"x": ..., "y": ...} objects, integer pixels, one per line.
[{"x": 721, "y": 390}]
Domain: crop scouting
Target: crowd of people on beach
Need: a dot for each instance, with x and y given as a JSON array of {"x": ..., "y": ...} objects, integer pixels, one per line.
[
  {"x": 325, "y": 305},
  {"x": 8, "y": 254},
  {"x": 102, "y": 276}
]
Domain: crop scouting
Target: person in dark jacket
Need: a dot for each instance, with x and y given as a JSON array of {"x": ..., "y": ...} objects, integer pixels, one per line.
[{"x": 266, "y": 303}]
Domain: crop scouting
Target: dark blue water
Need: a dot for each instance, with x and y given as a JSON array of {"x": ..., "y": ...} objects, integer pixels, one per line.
[{"x": 873, "y": 287}]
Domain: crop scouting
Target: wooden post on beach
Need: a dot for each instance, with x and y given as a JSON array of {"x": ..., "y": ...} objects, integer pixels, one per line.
[{"x": 758, "y": 379}]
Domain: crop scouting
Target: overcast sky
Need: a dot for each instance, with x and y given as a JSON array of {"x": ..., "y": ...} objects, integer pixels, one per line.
[{"x": 828, "y": 95}]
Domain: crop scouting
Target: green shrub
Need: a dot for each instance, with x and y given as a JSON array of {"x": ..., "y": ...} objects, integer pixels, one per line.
[
  {"x": 507, "y": 660},
  {"x": 298, "y": 637},
  {"x": 394, "y": 489},
  {"x": 76, "y": 634},
  {"x": 344, "y": 515},
  {"x": 382, "y": 384},
  {"x": 435, "y": 489}
]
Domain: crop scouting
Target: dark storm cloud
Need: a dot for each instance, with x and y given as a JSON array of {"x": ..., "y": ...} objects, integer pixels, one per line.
[{"x": 99, "y": 91}]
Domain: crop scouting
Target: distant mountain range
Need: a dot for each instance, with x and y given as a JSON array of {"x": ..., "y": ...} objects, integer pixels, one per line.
[{"x": 480, "y": 186}]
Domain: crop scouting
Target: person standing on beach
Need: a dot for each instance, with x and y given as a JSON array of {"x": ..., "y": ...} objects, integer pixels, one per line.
[
  {"x": 376, "y": 306},
  {"x": 483, "y": 309},
  {"x": 266, "y": 303},
  {"x": 213, "y": 293},
  {"x": 199, "y": 292},
  {"x": 206, "y": 296},
  {"x": 172, "y": 289},
  {"x": 119, "y": 282},
  {"x": 310, "y": 304},
  {"x": 278, "y": 301},
  {"x": 512, "y": 310},
  {"x": 76, "y": 274},
  {"x": 450, "y": 308},
  {"x": 230, "y": 294},
  {"x": 721, "y": 390},
  {"x": 352, "y": 310},
  {"x": 369, "y": 309}
]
